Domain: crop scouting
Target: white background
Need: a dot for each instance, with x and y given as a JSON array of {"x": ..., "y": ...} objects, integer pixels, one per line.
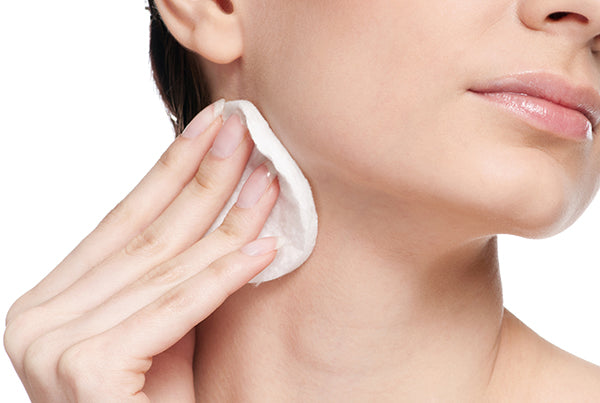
[{"x": 81, "y": 123}]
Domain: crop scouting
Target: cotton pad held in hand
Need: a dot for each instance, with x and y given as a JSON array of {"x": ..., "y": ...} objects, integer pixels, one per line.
[{"x": 293, "y": 218}]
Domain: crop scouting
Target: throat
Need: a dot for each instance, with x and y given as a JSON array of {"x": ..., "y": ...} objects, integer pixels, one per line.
[{"x": 333, "y": 328}]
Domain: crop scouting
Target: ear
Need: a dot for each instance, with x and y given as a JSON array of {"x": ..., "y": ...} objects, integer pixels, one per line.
[{"x": 211, "y": 28}]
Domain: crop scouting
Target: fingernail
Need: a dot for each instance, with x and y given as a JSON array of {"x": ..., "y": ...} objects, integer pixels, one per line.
[
  {"x": 255, "y": 186},
  {"x": 261, "y": 246},
  {"x": 229, "y": 137},
  {"x": 202, "y": 120}
]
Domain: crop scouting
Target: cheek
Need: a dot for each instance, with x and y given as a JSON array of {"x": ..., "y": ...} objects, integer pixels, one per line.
[
  {"x": 344, "y": 81},
  {"x": 363, "y": 96}
]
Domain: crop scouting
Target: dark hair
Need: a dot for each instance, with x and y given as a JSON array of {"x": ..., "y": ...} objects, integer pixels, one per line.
[{"x": 177, "y": 74}]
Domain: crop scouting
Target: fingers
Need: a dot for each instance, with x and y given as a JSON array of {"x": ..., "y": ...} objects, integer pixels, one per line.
[
  {"x": 241, "y": 225},
  {"x": 146, "y": 266},
  {"x": 37, "y": 353},
  {"x": 73, "y": 315},
  {"x": 142, "y": 206},
  {"x": 198, "y": 205},
  {"x": 115, "y": 361},
  {"x": 160, "y": 324},
  {"x": 179, "y": 226}
]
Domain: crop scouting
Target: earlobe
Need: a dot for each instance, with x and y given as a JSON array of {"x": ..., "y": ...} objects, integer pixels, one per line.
[{"x": 211, "y": 28}]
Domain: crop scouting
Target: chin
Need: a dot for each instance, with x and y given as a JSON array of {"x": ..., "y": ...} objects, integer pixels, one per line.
[{"x": 533, "y": 196}]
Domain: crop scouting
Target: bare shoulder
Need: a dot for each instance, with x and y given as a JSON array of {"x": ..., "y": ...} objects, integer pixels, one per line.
[
  {"x": 555, "y": 375},
  {"x": 569, "y": 377}
]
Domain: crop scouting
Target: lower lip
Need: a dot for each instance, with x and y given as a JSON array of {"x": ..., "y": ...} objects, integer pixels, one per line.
[{"x": 544, "y": 115}]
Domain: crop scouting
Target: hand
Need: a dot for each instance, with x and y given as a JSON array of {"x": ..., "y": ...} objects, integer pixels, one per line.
[{"x": 114, "y": 321}]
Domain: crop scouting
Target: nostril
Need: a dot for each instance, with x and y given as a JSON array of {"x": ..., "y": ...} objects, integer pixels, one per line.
[
  {"x": 559, "y": 15},
  {"x": 226, "y": 6}
]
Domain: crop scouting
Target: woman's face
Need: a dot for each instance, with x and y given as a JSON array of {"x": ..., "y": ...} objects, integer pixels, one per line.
[{"x": 372, "y": 99}]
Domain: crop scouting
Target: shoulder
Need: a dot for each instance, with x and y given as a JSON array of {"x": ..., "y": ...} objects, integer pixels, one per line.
[
  {"x": 551, "y": 373},
  {"x": 566, "y": 377}
]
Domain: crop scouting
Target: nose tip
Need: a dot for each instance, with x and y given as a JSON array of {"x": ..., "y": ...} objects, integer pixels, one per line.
[{"x": 579, "y": 20}]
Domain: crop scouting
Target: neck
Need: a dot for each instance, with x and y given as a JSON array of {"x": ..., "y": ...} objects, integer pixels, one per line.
[{"x": 410, "y": 308}]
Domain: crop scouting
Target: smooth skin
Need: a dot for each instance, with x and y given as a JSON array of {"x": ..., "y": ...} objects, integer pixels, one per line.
[
  {"x": 126, "y": 300},
  {"x": 413, "y": 177}
]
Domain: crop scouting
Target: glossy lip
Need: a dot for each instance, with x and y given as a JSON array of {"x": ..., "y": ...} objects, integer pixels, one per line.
[{"x": 551, "y": 87}]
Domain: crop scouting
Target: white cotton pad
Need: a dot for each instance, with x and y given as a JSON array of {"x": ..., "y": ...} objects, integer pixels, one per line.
[{"x": 293, "y": 218}]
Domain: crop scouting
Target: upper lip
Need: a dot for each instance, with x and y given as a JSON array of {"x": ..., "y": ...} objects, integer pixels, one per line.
[{"x": 551, "y": 87}]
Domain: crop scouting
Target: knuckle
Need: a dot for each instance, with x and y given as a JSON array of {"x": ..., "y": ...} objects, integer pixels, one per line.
[
  {"x": 223, "y": 278},
  {"x": 20, "y": 332},
  {"x": 24, "y": 303},
  {"x": 40, "y": 362},
  {"x": 15, "y": 310},
  {"x": 12, "y": 344},
  {"x": 230, "y": 232},
  {"x": 235, "y": 230},
  {"x": 170, "y": 160},
  {"x": 73, "y": 362},
  {"x": 166, "y": 273},
  {"x": 204, "y": 181},
  {"x": 148, "y": 242},
  {"x": 120, "y": 215},
  {"x": 174, "y": 301}
]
